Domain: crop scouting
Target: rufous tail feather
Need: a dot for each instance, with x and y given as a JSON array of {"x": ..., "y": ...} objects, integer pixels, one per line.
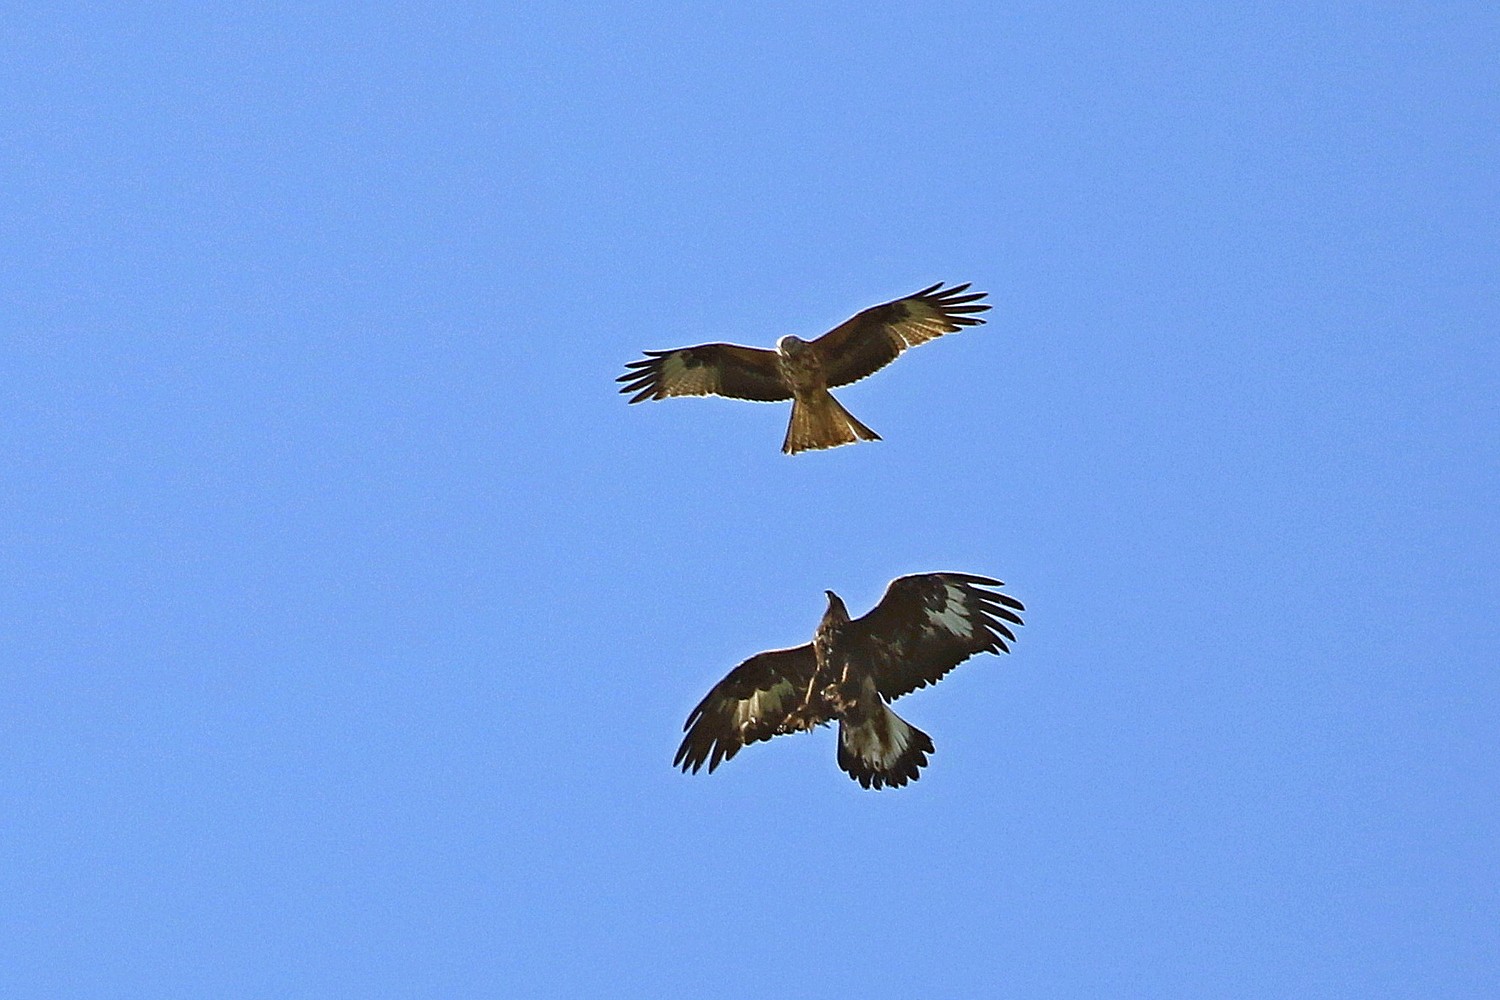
[{"x": 822, "y": 422}]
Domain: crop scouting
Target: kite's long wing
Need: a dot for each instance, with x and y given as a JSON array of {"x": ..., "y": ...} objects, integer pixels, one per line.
[
  {"x": 870, "y": 340},
  {"x": 706, "y": 370}
]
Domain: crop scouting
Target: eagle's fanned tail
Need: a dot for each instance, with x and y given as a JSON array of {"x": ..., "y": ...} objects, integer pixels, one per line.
[
  {"x": 820, "y": 421},
  {"x": 877, "y": 747}
]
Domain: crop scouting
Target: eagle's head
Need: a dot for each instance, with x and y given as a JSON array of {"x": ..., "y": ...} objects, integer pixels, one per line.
[{"x": 836, "y": 611}]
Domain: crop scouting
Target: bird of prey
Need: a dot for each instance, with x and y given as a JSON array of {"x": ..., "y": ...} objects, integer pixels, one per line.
[
  {"x": 802, "y": 370},
  {"x": 923, "y": 627}
]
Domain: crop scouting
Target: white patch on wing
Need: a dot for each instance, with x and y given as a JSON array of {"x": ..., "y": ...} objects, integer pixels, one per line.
[
  {"x": 923, "y": 323},
  {"x": 680, "y": 380},
  {"x": 953, "y": 617},
  {"x": 761, "y": 705}
]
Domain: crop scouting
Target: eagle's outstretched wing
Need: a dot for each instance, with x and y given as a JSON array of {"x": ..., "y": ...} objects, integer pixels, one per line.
[
  {"x": 927, "y": 624},
  {"x": 706, "y": 370},
  {"x": 867, "y": 342},
  {"x": 749, "y": 705}
]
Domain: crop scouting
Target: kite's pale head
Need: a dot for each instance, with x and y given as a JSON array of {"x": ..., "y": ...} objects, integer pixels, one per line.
[{"x": 790, "y": 346}]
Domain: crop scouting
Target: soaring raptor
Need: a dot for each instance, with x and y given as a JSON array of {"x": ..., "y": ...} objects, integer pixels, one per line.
[
  {"x": 923, "y": 627},
  {"x": 803, "y": 371}
]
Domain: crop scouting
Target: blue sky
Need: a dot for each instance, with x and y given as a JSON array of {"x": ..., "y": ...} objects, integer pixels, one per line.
[{"x": 350, "y": 617}]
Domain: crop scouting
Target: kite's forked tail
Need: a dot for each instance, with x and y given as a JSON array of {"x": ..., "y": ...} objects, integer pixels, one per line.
[{"x": 821, "y": 421}]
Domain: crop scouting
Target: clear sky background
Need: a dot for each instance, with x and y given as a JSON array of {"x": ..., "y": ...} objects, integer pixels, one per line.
[{"x": 349, "y": 617}]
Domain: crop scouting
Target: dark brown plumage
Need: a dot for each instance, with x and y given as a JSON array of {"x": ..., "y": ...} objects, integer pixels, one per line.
[
  {"x": 803, "y": 371},
  {"x": 923, "y": 627}
]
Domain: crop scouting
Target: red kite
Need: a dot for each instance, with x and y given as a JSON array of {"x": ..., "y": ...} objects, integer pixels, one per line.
[
  {"x": 803, "y": 371},
  {"x": 923, "y": 627}
]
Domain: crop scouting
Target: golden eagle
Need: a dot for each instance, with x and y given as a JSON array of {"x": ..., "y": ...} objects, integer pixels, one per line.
[
  {"x": 803, "y": 371},
  {"x": 923, "y": 627}
]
